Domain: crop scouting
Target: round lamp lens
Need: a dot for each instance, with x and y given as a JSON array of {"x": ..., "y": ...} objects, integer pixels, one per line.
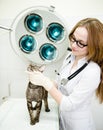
[
  {"x": 55, "y": 32},
  {"x": 34, "y": 22},
  {"x": 48, "y": 52},
  {"x": 27, "y": 43}
]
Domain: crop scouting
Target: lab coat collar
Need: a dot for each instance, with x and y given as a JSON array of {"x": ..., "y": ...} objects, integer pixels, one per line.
[{"x": 80, "y": 62}]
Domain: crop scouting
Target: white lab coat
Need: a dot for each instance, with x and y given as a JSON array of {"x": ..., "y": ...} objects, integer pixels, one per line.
[{"x": 74, "y": 109}]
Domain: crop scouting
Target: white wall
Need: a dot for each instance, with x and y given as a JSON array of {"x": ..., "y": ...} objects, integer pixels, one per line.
[{"x": 13, "y": 80}]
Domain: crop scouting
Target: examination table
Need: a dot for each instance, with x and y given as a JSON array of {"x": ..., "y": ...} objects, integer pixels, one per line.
[{"x": 14, "y": 116}]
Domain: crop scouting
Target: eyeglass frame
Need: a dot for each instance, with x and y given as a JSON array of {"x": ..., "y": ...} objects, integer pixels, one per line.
[{"x": 78, "y": 43}]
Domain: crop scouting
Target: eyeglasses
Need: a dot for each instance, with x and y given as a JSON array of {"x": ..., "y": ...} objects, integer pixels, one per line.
[{"x": 78, "y": 43}]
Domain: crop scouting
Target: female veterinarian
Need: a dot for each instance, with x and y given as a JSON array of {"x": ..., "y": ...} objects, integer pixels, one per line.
[{"x": 80, "y": 76}]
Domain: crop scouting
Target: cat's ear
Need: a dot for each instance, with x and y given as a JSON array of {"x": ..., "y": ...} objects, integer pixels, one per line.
[
  {"x": 29, "y": 67},
  {"x": 42, "y": 68}
]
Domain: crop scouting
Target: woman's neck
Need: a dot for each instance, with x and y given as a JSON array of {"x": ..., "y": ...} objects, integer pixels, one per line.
[{"x": 76, "y": 61}]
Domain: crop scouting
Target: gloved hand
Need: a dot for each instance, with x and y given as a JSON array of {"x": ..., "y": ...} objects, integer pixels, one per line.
[{"x": 38, "y": 78}]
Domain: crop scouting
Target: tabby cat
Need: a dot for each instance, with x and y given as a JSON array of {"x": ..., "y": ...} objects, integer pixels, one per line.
[{"x": 37, "y": 94}]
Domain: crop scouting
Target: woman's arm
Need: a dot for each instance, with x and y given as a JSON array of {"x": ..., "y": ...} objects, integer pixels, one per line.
[
  {"x": 38, "y": 78},
  {"x": 56, "y": 94}
]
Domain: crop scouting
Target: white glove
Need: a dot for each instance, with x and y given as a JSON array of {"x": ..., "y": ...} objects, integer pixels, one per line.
[{"x": 38, "y": 78}]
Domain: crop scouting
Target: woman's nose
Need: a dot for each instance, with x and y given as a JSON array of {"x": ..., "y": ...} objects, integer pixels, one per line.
[{"x": 74, "y": 44}]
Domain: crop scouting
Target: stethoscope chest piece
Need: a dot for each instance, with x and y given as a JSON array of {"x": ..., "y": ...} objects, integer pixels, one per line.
[{"x": 64, "y": 82}]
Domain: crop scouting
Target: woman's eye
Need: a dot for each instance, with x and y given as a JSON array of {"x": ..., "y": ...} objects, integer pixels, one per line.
[
  {"x": 73, "y": 39},
  {"x": 81, "y": 44}
]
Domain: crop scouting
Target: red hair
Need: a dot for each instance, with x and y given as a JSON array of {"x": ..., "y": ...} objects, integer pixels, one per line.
[{"x": 95, "y": 46}]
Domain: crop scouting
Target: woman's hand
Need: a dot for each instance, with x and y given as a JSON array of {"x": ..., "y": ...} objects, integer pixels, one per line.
[{"x": 38, "y": 78}]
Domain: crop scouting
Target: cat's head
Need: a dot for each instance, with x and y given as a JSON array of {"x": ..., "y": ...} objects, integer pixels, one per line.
[{"x": 31, "y": 68}]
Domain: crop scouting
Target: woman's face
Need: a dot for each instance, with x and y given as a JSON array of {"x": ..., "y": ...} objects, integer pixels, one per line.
[{"x": 79, "y": 42}]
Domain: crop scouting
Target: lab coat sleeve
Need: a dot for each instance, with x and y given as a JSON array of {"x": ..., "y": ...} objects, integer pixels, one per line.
[{"x": 82, "y": 91}]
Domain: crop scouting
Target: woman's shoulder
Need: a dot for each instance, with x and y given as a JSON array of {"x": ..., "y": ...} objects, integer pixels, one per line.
[
  {"x": 93, "y": 67},
  {"x": 92, "y": 74}
]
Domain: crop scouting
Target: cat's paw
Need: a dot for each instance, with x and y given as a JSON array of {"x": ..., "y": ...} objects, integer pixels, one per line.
[{"x": 34, "y": 121}]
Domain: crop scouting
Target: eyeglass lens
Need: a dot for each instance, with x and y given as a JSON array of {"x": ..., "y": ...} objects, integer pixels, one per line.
[{"x": 78, "y": 43}]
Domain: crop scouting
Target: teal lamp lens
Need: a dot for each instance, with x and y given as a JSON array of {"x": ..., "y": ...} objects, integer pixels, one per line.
[
  {"x": 55, "y": 32},
  {"x": 27, "y": 43},
  {"x": 34, "y": 22},
  {"x": 48, "y": 52}
]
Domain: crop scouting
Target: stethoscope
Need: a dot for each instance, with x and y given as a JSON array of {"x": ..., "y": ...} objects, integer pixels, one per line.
[{"x": 64, "y": 81}]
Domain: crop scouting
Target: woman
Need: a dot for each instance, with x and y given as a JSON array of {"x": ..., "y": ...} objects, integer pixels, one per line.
[{"x": 73, "y": 94}]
